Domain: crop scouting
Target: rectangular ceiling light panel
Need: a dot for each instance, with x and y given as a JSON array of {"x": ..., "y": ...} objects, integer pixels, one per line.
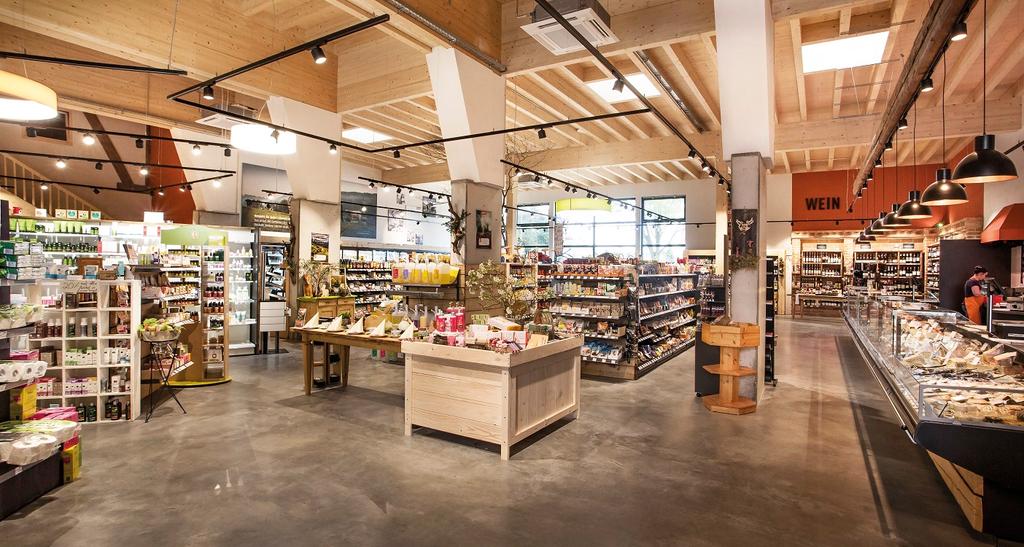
[
  {"x": 604, "y": 88},
  {"x": 862, "y": 50},
  {"x": 365, "y": 136}
]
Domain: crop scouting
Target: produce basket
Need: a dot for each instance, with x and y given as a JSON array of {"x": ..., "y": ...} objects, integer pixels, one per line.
[{"x": 159, "y": 336}]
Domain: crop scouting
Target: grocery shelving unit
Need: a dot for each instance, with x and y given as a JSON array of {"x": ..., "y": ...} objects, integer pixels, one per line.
[
  {"x": 115, "y": 318},
  {"x": 240, "y": 303},
  {"x": 368, "y": 281},
  {"x": 568, "y": 302},
  {"x": 209, "y": 341},
  {"x": 931, "y": 267},
  {"x": 820, "y": 282},
  {"x": 667, "y": 308},
  {"x": 900, "y": 272},
  {"x": 773, "y": 287}
]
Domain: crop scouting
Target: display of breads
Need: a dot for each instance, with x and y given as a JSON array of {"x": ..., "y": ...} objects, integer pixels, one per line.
[{"x": 966, "y": 379}]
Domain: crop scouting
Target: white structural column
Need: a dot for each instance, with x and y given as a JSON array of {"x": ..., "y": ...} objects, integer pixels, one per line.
[
  {"x": 314, "y": 174},
  {"x": 744, "y": 29},
  {"x": 471, "y": 99}
]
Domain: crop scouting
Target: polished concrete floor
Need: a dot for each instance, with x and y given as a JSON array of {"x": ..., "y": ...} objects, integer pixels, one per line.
[{"x": 255, "y": 462}]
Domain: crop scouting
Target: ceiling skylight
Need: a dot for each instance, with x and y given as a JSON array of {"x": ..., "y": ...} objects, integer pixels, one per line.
[
  {"x": 365, "y": 136},
  {"x": 866, "y": 49},
  {"x": 639, "y": 81}
]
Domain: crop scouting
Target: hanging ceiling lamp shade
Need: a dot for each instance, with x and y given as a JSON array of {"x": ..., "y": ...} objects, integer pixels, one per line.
[
  {"x": 943, "y": 191},
  {"x": 894, "y": 222},
  {"x": 913, "y": 209},
  {"x": 261, "y": 139},
  {"x": 22, "y": 99},
  {"x": 878, "y": 226},
  {"x": 985, "y": 164}
]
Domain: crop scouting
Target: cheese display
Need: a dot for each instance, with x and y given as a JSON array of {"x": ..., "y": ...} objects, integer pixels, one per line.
[{"x": 963, "y": 378}]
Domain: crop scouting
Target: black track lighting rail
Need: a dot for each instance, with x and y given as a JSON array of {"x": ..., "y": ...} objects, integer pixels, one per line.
[
  {"x": 571, "y": 187},
  {"x": 304, "y": 47},
  {"x": 385, "y": 207},
  {"x": 97, "y": 189},
  {"x": 142, "y": 136},
  {"x": 535, "y": 127},
  {"x": 375, "y": 215},
  {"x": 621, "y": 80},
  {"x": 937, "y": 29},
  {"x": 91, "y": 64},
  {"x": 119, "y": 162},
  {"x": 400, "y": 187}
]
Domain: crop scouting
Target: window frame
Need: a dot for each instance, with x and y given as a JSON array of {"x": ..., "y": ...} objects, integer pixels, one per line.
[{"x": 644, "y": 223}]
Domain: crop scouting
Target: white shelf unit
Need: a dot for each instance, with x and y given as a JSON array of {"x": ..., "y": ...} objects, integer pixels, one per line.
[
  {"x": 240, "y": 302},
  {"x": 105, "y": 317}
]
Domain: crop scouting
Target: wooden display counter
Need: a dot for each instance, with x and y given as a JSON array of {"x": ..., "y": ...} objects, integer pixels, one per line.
[
  {"x": 494, "y": 397},
  {"x": 343, "y": 342}
]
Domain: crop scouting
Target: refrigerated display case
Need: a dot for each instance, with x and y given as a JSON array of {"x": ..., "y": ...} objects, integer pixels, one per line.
[{"x": 958, "y": 393}]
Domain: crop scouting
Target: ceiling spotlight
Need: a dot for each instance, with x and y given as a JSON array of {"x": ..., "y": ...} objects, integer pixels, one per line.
[
  {"x": 959, "y": 31},
  {"x": 574, "y": 190},
  {"x": 397, "y": 154},
  {"x": 44, "y": 186},
  {"x": 333, "y": 150},
  {"x": 188, "y": 187},
  {"x": 609, "y": 201},
  {"x": 216, "y": 184},
  {"x": 398, "y": 190},
  {"x": 227, "y": 152},
  {"x": 31, "y": 132},
  {"x": 196, "y": 150},
  {"x": 160, "y": 192},
  {"x": 903, "y": 124},
  {"x": 319, "y": 57},
  {"x": 871, "y": 175},
  {"x": 541, "y": 134},
  {"x": 705, "y": 167},
  {"x": 144, "y": 171},
  {"x": 721, "y": 181},
  {"x": 88, "y": 139},
  {"x": 372, "y": 184},
  {"x": 181, "y": 189},
  {"x": 139, "y": 143},
  {"x": 618, "y": 85},
  {"x": 878, "y": 161},
  {"x": 567, "y": 187},
  {"x": 692, "y": 154},
  {"x": 417, "y": 223},
  {"x": 99, "y": 166},
  {"x": 888, "y": 144},
  {"x": 61, "y": 164},
  {"x": 208, "y": 92},
  {"x": 95, "y": 190},
  {"x": 927, "y": 85},
  {"x": 363, "y": 209}
]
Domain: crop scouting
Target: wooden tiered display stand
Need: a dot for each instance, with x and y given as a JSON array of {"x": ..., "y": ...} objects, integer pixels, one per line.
[{"x": 730, "y": 338}]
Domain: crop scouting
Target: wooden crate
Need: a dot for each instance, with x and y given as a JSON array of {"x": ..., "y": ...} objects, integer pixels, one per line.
[
  {"x": 734, "y": 335},
  {"x": 492, "y": 397}
]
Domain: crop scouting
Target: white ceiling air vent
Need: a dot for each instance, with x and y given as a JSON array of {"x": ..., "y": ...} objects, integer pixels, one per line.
[
  {"x": 586, "y": 16},
  {"x": 221, "y": 121}
]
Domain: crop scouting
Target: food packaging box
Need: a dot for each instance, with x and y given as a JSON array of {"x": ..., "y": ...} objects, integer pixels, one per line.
[
  {"x": 71, "y": 457},
  {"x": 23, "y": 402}
]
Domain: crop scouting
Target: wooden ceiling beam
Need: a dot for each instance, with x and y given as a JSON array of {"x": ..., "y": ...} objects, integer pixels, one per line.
[
  {"x": 692, "y": 83},
  {"x": 785, "y": 9},
  {"x": 555, "y": 108},
  {"x": 525, "y": 106},
  {"x": 961, "y": 120},
  {"x": 798, "y": 66},
  {"x": 98, "y": 27},
  {"x": 570, "y": 101},
  {"x": 476, "y": 22}
]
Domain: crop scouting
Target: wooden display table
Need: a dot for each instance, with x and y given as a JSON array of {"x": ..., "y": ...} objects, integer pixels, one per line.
[
  {"x": 494, "y": 397},
  {"x": 344, "y": 342},
  {"x": 730, "y": 338},
  {"x": 328, "y": 307}
]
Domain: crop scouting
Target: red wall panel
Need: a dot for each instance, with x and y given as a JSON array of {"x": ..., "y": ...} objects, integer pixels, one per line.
[{"x": 177, "y": 206}]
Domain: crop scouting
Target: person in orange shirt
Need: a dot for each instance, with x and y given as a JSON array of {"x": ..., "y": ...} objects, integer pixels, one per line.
[{"x": 974, "y": 297}]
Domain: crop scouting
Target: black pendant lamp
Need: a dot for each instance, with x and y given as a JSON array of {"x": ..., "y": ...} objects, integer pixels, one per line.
[
  {"x": 944, "y": 191},
  {"x": 876, "y": 227},
  {"x": 890, "y": 220},
  {"x": 985, "y": 164},
  {"x": 912, "y": 209}
]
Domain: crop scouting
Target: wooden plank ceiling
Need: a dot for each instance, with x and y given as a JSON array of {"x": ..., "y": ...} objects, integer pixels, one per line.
[{"x": 378, "y": 79}]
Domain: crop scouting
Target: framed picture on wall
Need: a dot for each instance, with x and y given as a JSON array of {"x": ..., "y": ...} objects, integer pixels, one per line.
[
  {"x": 359, "y": 215},
  {"x": 319, "y": 246},
  {"x": 484, "y": 220}
]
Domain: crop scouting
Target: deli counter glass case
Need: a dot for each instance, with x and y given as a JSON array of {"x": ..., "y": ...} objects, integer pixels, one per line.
[{"x": 959, "y": 394}]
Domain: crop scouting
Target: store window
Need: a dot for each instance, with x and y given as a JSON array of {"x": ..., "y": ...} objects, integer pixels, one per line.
[
  {"x": 533, "y": 231},
  {"x": 591, "y": 233},
  {"x": 664, "y": 240}
]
